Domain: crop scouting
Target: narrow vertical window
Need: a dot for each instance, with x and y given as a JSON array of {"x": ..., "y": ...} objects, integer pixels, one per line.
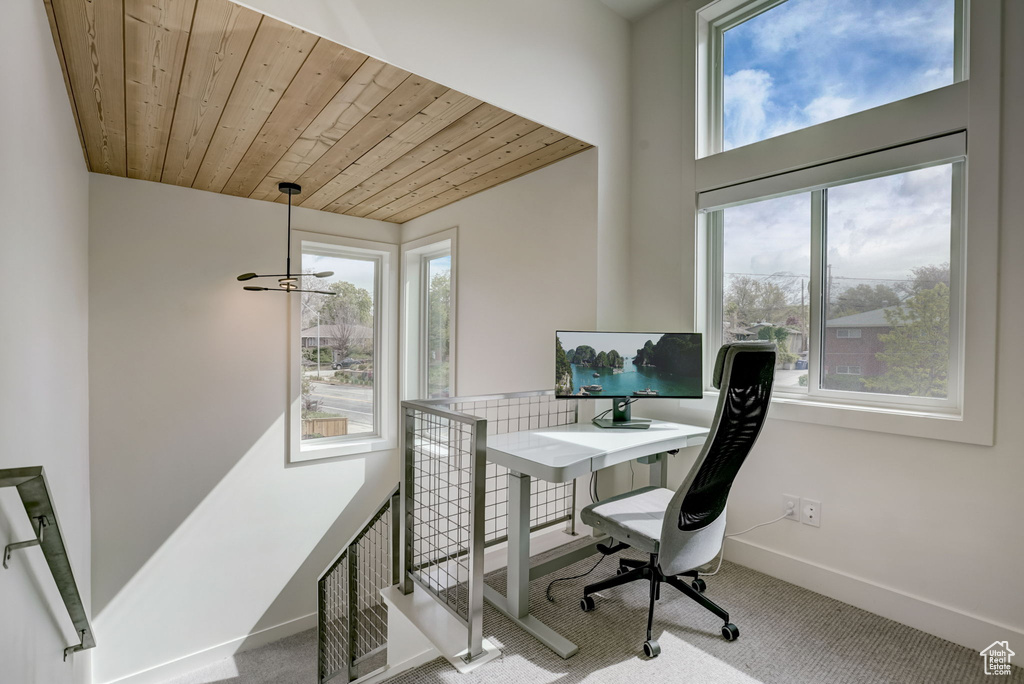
[
  {"x": 429, "y": 304},
  {"x": 338, "y": 346},
  {"x": 438, "y": 325}
]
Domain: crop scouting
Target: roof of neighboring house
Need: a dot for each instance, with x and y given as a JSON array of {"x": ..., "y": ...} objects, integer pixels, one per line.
[
  {"x": 359, "y": 332},
  {"x": 866, "y": 319}
]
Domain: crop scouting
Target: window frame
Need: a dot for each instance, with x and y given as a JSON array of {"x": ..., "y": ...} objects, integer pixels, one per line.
[
  {"x": 384, "y": 436},
  {"x": 415, "y": 293},
  {"x": 947, "y": 149},
  {"x": 969, "y": 105},
  {"x": 714, "y": 19}
]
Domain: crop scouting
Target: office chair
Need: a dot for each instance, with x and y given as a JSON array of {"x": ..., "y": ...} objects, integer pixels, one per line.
[{"x": 685, "y": 529}]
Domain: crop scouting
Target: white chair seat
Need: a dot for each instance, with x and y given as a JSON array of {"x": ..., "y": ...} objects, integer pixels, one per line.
[{"x": 634, "y": 517}]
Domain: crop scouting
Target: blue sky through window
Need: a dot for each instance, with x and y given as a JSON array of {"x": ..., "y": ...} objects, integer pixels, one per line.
[{"x": 808, "y": 61}]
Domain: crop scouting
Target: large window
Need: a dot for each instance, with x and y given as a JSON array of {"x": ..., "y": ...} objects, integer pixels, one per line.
[
  {"x": 783, "y": 66},
  {"x": 342, "y": 349},
  {"x": 852, "y": 281},
  {"x": 429, "y": 305},
  {"x": 840, "y": 213},
  {"x": 338, "y": 344}
]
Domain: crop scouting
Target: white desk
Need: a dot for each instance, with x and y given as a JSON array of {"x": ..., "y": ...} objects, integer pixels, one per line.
[{"x": 561, "y": 454}]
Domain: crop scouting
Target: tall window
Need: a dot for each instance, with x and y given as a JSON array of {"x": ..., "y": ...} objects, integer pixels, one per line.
[
  {"x": 338, "y": 344},
  {"x": 841, "y": 212},
  {"x": 429, "y": 305},
  {"x": 438, "y": 308},
  {"x": 342, "y": 350},
  {"x": 852, "y": 281},
  {"x": 782, "y": 66}
]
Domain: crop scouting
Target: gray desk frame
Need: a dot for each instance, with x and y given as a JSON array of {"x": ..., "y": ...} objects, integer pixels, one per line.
[{"x": 560, "y": 455}]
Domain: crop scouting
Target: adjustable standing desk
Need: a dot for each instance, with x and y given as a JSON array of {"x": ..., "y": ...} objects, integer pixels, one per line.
[{"x": 561, "y": 454}]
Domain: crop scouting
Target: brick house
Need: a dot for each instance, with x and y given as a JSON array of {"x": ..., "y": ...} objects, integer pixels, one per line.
[{"x": 852, "y": 343}]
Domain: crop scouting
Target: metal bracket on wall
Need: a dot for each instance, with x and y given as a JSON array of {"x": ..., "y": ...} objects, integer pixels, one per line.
[
  {"x": 75, "y": 649},
  {"x": 26, "y": 544}
]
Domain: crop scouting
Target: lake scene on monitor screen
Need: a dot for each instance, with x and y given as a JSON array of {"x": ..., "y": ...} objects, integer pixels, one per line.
[{"x": 604, "y": 364}]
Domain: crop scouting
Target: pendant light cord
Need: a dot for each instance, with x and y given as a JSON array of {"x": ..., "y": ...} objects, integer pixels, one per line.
[{"x": 288, "y": 269}]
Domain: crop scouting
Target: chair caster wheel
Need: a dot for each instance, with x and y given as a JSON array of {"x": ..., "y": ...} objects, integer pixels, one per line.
[
  {"x": 587, "y": 604},
  {"x": 730, "y": 631},
  {"x": 651, "y": 648},
  {"x": 699, "y": 585}
]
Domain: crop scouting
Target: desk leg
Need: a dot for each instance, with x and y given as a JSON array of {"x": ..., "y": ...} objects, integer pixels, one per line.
[
  {"x": 516, "y": 602},
  {"x": 659, "y": 471},
  {"x": 518, "y": 591}
]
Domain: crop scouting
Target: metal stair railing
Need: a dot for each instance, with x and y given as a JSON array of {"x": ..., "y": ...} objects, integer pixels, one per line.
[
  {"x": 35, "y": 496},
  {"x": 455, "y": 502},
  {"x": 352, "y": 618}
]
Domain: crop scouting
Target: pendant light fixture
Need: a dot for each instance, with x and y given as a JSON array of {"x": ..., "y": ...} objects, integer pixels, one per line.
[{"x": 288, "y": 282}]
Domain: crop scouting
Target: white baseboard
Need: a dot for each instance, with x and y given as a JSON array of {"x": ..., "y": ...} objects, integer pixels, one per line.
[
  {"x": 972, "y": 631},
  {"x": 208, "y": 656}
]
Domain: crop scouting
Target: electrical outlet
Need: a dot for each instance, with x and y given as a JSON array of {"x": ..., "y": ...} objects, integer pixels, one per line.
[
  {"x": 791, "y": 507},
  {"x": 810, "y": 512}
]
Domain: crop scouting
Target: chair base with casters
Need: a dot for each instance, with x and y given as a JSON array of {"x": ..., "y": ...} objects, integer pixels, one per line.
[{"x": 631, "y": 570}]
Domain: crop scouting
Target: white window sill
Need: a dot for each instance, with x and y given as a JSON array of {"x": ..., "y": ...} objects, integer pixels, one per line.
[
  {"x": 943, "y": 425},
  {"x": 340, "y": 448}
]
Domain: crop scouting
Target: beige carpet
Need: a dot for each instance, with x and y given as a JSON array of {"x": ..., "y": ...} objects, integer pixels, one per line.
[{"x": 787, "y": 634}]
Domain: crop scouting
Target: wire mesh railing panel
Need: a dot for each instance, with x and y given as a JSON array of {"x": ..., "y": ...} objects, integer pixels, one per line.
[
  {"x": 550, "y": 502},
  {"x": 373, "y": 573},
  {"x": 441, "y": 476},
  {"x": 352, "y": 616},
  {"x": 333, "y": 621}
]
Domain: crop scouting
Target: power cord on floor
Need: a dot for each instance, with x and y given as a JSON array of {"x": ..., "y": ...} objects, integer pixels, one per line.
[
  {"x": 547, "y": 592},
  {"x": 736, "y": 534}
]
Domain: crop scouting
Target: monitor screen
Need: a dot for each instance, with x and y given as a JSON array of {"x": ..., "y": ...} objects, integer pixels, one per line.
[{"x": 622, "y": 364}]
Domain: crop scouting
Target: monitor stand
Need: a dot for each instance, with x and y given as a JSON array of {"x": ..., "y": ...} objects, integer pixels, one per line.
[{"x": 621, "y": 418}]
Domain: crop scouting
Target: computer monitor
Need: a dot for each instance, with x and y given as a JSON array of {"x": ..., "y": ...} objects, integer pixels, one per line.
[{"x": 625, "y": 366}]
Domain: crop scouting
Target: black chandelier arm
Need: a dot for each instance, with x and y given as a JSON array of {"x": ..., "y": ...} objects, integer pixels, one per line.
[
  {"x": 251, "y": 276},
  {"x": 253, "y": 288}
]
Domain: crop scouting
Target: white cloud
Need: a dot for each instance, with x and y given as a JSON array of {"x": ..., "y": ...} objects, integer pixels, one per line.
[
  {"x": 828, "y": 107},
  {"x": 745, "y": 94}
]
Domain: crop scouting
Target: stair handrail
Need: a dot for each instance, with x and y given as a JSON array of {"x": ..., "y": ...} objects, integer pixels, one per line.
[{"x": 35, "y": 496}]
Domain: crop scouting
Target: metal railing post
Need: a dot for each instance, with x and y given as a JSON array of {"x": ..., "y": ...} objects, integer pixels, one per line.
[
  {"x": 353, "y": 608},
  {"x": 405, "y": 493},
  {"x": 476, "y": 541},
  {"x": 396, "y": 538}
]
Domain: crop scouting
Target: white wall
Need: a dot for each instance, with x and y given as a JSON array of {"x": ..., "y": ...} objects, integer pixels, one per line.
[
  {"x": 44, "y": 401},
  {"x": 564, "y": 64},
  {"x": 202, "y": 534},
  {"x": 525, "y": 268},
  {"x": 924, "y": 531}
]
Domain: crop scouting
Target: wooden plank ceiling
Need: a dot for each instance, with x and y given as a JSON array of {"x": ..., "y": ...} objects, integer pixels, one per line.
[{"x": 214, "y": 96}]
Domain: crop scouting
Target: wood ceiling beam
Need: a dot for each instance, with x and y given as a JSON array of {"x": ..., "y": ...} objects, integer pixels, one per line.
[
  {"x": 156, "y": 34},
  {"x": 388, "y": 202},
  {"x": 368, "y": 86},
  {"x": 403, "y": 103},
  {"x": 277, "y": 53},
  {"x": 434, "y": 118},
  {"x": 473, "y": 124},
  {"x": 322, "y": 76},
  {"x": 91, "y": 36},
  {"x": 566, "y": 147},
  {"x": 212, "y": 62},
  {"x": 48, "y": 4}
]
